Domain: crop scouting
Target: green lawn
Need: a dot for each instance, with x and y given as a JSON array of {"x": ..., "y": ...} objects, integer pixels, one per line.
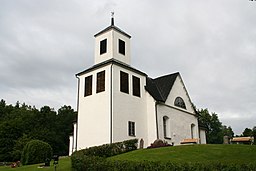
[
  {"x": 186, "y": 153},
  {"x": 194, "y": 153},
  {"x": 64, "y": 165}
]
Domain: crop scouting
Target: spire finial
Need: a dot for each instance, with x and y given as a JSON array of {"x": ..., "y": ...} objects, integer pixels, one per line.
[{"x": 112, "y": 18}]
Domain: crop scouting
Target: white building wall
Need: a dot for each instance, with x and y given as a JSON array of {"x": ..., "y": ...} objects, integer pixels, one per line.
[
  {"x": 74, "y": 136},
  {"x": 151, "y": 120},
  {"x": 94, "y": 112},
  {"x": 112, "y": 47},
  {"x": 179, "y": 124},
  {"x": 180, "y": 120},
  {"x": 71, "y": 143},
  {"x": 127, "y": 107},
  {"x": 179, "y": 90},
  {"x": 202, "y": 136}
]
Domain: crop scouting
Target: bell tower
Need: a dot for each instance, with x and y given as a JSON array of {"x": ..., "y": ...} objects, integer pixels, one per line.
[{"x": 112, "y": 43}]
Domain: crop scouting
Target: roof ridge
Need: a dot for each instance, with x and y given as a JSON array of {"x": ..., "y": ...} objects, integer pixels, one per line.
[{"x": 175, "y": 73}]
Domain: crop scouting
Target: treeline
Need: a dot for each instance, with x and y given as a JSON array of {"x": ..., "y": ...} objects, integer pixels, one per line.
[
  {"x": 21, "y": 123},
  {"x": 215, "y": 130},
  {"x": 249, "y": 133}
]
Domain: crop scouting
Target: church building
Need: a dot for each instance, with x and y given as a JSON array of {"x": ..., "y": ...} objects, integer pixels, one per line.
[{"x": 117, "y": 102}]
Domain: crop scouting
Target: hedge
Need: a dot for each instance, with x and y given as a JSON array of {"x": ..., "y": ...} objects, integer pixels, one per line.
[
  {"x": 101, "y": 164},
  {"x": 96, "y": 159},
  {"x": 95, "y": 156}
]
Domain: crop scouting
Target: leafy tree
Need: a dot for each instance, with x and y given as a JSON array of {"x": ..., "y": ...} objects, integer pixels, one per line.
[
  {"x": 247, "y": 132},
  {"x": 254, "y": 134},
  {"x": 21, "y": 123},
  {"x": 227, "y": 131},
  {"x": 214, "y": 134},
  {"x": 19, "y": 146},
  {"x": 36, "y": 151}
]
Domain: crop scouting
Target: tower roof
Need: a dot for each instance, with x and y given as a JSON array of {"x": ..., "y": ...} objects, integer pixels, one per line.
[
  {"x": 112, "y": 26},
  {"x": 111, "y": 61}
]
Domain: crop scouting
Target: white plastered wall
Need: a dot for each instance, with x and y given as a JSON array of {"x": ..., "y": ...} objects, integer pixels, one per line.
[
  {"x": 151, "y": 119},
  {"x": 179, "y": 124},
  {"x": 94, "y": 112},
  {"x": 180, "y": 120},
  {"x": 179, "y": 90},
  {"x": 112, "y": 37},
  {"x": 202, "y": 136},
  {"x": 127, "y": 107}
]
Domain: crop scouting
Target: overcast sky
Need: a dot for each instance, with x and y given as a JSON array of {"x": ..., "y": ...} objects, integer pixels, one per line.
[{"x": 212, "y": 43}]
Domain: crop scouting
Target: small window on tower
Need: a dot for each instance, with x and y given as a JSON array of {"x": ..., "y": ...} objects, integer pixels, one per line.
[
  {"x": 124, "y": 82},
  {"x": 100, "y": 82},
  {"x": 103, "y": 46},
  {"x": 121, "y": 47},
  {"x": 88, "y": 86}
]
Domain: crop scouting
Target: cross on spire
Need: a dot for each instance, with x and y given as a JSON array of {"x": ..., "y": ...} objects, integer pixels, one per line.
[{"x": 112, "y": 18}]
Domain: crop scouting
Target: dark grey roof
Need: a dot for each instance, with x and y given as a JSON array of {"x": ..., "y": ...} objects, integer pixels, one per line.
[
  {"x": 159, "y": 88},
  {"x": 112, "y": 26},
  {"x": 111, "y": 61}
]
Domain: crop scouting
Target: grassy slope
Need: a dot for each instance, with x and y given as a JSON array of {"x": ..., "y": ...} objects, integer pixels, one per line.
[
  {"x": 194, "y": 153},
  {"x": 189, "y": 153},
  {"x": 64, "y": 165}
]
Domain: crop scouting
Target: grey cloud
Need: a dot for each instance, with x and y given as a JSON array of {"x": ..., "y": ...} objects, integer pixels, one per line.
[{"x": 211, "y": 43}]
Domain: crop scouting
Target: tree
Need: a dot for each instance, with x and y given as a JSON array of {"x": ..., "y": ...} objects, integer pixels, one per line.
[
  {"x": 65, "y": 118},
  {"x": 36, "y": 151},
  {"x": 254, "y": 134},
  {"x": 21, "y": 123},
  {"x": 247, "y": 132},
  {"x": 214, "y": 134},
  {"x": 19, "y": 146},
  {"x": 227, "y": 131}
]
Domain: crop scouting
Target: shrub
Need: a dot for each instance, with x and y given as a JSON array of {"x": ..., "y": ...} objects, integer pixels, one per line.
[
  {"x": 108, "y": 150},
  {"x": 36, "y": 151},
  {"x": 159, "y": 143},
  {"x": 94, "y": 157}
]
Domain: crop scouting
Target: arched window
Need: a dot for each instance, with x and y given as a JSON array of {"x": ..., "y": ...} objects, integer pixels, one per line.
[
  {"x": 166, "y": 126},
  {"x": 179, "y": 102},
  {"x": 192, "y": 131}
]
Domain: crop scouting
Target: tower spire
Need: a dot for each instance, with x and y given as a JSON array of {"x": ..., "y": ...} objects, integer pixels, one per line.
[{"x": 112, "y": 18}]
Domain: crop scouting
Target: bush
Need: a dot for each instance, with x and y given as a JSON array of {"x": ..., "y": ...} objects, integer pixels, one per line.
[
  {"x": 36, "y": 151},
  {"x": 108, "y": 150},
  {"x": 159, "y": 143},
  {"x": 94, "y": 157}
]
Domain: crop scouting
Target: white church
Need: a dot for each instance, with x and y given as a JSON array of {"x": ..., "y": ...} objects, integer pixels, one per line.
[{"x": 117, "y": 102}]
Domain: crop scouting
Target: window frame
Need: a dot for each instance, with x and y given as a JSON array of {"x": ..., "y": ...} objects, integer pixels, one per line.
[
  {"x": 166, "y": 127},
  {"x": 136, "y": 86},
  {"x": 88, "y": 85},
  {"x": 193, "y": 126},
  {"x": 103, "y": 46},
  {"x": 179, "y": 102},
  {"x": 124, "y": 82},
  {"x": 121, "y": 46},
  {"x": 100, "y": 85}
]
